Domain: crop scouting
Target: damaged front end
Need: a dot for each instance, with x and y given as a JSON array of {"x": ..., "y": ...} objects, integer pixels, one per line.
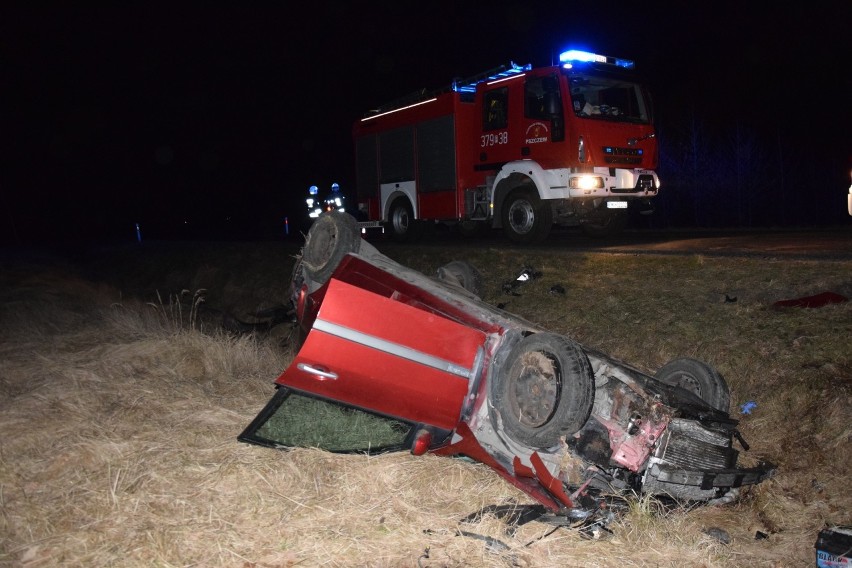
[{"x": 391, "y": 359}]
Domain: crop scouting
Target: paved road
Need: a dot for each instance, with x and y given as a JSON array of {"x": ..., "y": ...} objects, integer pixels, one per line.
[
  {"x": 826, "y": 244},
  {"x": 815, "y": 244}
]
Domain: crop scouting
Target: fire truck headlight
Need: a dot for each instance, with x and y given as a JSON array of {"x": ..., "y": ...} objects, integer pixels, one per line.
[{"x": 586, "y": 182}]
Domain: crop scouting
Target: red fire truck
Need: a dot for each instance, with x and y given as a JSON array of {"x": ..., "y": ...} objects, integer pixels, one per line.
[{"x": 517, "y": 148}]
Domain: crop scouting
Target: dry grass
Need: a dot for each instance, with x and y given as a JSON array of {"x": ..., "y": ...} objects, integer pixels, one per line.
[{"x": 120, "y": 418}]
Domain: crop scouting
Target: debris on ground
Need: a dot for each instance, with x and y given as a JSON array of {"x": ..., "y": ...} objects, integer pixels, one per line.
[
  {"x": 815, "y": 301},
  {"x": 718, "y": 534},
  {"x": 834, "y": 547},
  {"x": 527, "y": 274},
  {"x": 591, "y": 523}
]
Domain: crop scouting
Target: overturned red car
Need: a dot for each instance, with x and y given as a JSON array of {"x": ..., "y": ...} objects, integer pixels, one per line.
[{"x": 392, "y": 359}]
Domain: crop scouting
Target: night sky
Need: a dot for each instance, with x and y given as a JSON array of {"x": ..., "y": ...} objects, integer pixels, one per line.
[{"x": 218, "y": 116}]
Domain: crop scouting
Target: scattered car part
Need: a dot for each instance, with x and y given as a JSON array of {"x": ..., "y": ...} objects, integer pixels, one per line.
[
  {"x": 815, "y": 301},
  {"x": 718, "y": 534},
  {"x": 527, "y": 274},
  {"x": 834, "y": 546}
]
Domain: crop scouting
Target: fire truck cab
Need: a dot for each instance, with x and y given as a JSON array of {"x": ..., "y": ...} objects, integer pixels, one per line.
[{"x": 515, "y": 148}]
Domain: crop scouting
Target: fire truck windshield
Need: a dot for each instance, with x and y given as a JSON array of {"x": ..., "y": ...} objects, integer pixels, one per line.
[{"x": 608, "y": 98}]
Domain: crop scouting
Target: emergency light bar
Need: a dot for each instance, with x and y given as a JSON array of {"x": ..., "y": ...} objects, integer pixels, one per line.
[{"x": 577, "y": 56}]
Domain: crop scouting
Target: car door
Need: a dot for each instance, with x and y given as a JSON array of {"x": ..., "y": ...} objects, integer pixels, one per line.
[{"x": 376, "y": 353}]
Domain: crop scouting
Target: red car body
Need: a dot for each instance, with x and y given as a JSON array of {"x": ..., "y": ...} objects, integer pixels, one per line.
[{"x": 455, "y": 376}]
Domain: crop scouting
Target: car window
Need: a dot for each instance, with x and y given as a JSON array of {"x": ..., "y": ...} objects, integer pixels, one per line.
[{"x": 293, "y": 420}]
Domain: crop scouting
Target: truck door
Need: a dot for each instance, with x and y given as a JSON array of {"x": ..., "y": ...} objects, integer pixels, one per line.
[{"x": 544, "y": 118}]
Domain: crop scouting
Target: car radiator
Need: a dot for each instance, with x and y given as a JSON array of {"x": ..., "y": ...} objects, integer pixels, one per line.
[{"x": 690, "y": 461}]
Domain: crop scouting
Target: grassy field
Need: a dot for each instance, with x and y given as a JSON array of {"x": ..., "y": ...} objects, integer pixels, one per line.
[{"x": 122, "y": 398}]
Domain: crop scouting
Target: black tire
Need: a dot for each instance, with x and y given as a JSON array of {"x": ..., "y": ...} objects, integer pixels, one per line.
[
  {"x": 604, "y": 225},
  {"x": 543, "y": 392},
  {"x": 525, "y": 217},
  {"x": 331, "y": 237},
  {"x": 401, "y": 222},
  {"x": 698, "y": 378},
  {"x": 462, "y": 273}
]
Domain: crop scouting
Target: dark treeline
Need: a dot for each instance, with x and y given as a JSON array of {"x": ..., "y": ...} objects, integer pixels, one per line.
[{"x": 734, "y": 172}]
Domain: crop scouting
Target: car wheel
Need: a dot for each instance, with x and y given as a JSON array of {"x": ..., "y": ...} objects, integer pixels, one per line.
[
  {"x": 331, "y": 237},
  {"x": 462, "y": 273},
  {"x": 698, "y": 378},
  {"x": 543, "y": 392},
  {"x": 526, "y": 218}
]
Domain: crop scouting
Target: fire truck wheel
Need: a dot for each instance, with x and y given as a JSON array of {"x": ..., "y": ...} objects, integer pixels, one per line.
[
  {"x": 698, "y": 378},
  {"x": 605, "y": 225},
  {"x": 403, "y": 226},
  {"x": 526, "y": 218},
  {"x": 462, "y": 273},
  {"x": 543, "y": 392},
  {"x": 330, "y": 238}
]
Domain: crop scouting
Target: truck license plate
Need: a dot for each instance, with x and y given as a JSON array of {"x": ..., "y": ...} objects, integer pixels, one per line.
[{"x": 616, "y": 205}]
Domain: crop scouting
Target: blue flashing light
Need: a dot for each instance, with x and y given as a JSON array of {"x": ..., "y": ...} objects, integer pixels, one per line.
[
  {"x": 579, "y": 56},
  {"x": 313, "y": 190}
]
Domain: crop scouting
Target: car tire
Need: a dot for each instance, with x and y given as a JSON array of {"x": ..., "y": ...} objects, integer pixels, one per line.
[
  {"x": 698, "y": 378},
  {"x": 462, "y": 273},
  {"x": 331, "y": 237},
  {"x": 543, "y": 392}
]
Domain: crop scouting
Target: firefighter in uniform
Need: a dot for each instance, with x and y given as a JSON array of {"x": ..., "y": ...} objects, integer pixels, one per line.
[
  {"x": 334, "y": 201},
  {"x": 313, "y": 202}
]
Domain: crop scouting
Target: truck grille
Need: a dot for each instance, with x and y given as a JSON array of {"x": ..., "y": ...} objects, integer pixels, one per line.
[
  {"x": 615, "y": 155},
  {"x": 622, "y": 160}
]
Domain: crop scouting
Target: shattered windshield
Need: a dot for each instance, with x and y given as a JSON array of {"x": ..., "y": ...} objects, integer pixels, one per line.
[
  {"x": 295, "y": 421},
  {"x": 608, "y": 98}
]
